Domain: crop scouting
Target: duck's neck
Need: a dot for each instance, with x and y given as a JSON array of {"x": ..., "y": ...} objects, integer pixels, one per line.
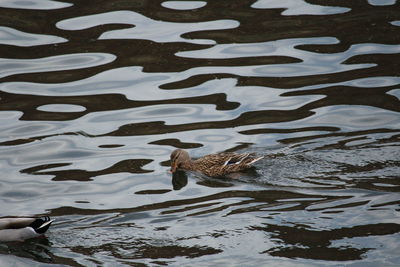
[{"x": 187, "y": 165}]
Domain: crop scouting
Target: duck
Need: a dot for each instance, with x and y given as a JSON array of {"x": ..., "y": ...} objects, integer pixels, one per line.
[
  {"x": 22, "y": 228},
  {"x": 213, "y": 165}
]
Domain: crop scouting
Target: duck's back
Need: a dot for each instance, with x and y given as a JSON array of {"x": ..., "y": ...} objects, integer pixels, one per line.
[
  {"x": 221, "y": 164},
  {"x": 215, "y": 159}
]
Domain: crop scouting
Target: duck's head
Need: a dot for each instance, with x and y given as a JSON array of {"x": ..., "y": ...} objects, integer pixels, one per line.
[{"x": 177, "y": 157}]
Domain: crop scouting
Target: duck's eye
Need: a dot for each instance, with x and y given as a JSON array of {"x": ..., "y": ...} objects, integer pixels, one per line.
[{"x": 175, "y": 158}]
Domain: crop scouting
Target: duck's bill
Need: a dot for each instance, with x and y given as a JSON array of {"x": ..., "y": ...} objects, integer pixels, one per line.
[{"x": 174, "y": 166}]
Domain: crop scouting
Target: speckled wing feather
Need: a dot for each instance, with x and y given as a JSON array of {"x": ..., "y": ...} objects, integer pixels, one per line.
[
  {"x": 223, "y": 163},
  {"x": 215, "y": 159}
]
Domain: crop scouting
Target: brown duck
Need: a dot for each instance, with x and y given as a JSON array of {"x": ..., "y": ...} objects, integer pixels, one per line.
[{"x": 213, "y": 165}]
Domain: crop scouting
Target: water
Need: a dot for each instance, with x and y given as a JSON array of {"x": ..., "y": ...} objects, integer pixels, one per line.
[{"x": 95, "y": 96}]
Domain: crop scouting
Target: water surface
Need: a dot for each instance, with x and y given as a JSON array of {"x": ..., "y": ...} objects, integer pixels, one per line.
[{"x": 95, "y": 96}]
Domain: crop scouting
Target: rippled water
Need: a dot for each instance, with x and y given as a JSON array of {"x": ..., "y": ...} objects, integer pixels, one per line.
[{"x": 94, "y": 96}]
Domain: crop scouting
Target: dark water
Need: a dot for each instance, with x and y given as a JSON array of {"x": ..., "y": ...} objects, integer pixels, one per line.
[{"x": 95, "y": 95}]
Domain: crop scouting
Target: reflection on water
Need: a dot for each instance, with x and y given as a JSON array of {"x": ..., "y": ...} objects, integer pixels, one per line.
[
  {"x": 34, "y": 5},
  {"x": 64, "y": 62},
  {"x": 183, "y": 5},
  {"x": 95, "y": 96},
  {"x": 10, "y": 36},
  {"x": 144, "y": 27},
  {"x": 293, "y": 7}
]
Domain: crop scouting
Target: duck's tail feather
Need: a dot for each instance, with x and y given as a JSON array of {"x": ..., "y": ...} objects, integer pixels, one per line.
[
  {"x": 254, "y": 160},
  {"x": 46, "y": 225},
  {"x": 41, "y": 225}
]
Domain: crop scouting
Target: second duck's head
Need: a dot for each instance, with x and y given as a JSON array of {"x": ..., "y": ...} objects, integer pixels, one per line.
[{"x": 177, "y": 157}]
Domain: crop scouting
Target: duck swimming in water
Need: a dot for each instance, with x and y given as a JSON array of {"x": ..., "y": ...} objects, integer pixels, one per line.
[
  {"x": 22, "y": 228},
  {"x": 213, "y": 165}
]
